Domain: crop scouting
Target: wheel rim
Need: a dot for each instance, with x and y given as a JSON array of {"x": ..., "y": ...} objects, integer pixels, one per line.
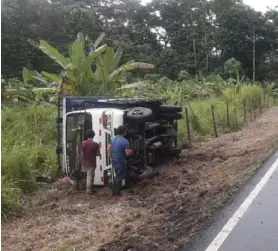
[{"x": 137, "y": 111}]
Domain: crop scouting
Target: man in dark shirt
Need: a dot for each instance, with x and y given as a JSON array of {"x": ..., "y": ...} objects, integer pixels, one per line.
[
  {"x": 119, "y": 149},
  {"x": 90, "y": 152}
]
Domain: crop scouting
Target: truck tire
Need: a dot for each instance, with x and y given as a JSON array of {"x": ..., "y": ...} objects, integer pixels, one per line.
[
  {"x": 170, "y": 108},
  {"x": 138, "y": 113},
  {"x": 170, "y": 116}
]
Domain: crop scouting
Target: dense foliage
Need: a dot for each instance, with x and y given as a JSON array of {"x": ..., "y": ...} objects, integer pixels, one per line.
[{"x": 174, "y": 35}]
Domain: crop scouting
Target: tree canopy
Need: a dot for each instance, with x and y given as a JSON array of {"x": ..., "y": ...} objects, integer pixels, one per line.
[{"x": 174, "y": 35}]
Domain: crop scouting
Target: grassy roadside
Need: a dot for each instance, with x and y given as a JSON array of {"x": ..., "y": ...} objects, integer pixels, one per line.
[{"x": 28, "y": 148}]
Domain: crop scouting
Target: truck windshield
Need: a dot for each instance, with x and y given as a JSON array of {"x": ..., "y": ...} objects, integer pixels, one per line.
[
  {"x": 76, "y": 126},
  {"x": 74, "y": 123}
]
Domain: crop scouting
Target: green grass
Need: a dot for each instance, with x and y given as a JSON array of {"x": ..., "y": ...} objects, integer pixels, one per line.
[
  {"x": 28, "y": 149},
  {"x": 201, "y": 122}
]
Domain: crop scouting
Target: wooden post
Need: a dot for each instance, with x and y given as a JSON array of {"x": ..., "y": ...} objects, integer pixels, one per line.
[
  {"x": 228, "y": 115},
  {"x": 251, "y": 110},
  {"x": 213, "y": 119},
  {"x": 236, "y": 116},
  {"x": 244, "y": 110},
  {"x": 264, "y": 97},
  {"x": 261, "y": 104},
  {"x": 255, "y": 115},
  {"x": 187, "y": 126}
]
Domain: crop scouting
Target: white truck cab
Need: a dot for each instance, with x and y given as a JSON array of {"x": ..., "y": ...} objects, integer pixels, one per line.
[
  {"x": 151, "y": 132},
  {"x": 103, "y": 121}
]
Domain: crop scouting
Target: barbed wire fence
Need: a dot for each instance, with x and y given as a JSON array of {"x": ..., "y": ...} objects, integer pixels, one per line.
[{"x": 222, "y": 117}]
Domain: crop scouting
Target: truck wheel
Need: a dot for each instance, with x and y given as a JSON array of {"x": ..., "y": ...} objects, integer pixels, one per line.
[
  {"x": 170, "y": 116},
  {"x": 170, "y": 108},
  {"x": 137, "y": 113}
]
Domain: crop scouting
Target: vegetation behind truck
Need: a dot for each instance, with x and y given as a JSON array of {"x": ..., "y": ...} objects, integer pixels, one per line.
[{"x": 151, "y": 130}]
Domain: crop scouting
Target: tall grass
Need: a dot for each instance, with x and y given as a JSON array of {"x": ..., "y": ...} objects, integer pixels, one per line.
[
  {"x": 28, "y": 149},
  {"x": 244, "y": 104}
]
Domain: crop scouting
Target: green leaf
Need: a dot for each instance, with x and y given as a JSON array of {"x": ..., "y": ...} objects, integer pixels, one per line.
[
  {"x": 54, "y": 78},
  {"x": 119, "y": 73},
  {"x": 109, "y": 60},
  {"x": 41, "y": 79},
  {"x": 118, "y": 56},
  {"x": 45, "y": 90},
  {"x": 33, "y": 42},
  {"x": 27, "y": 75},
  {"x": 81, "y": 38},
  {"x": 99, "y": 39},
  {"x": 53, "y": 53},
  {"x": 77, "y": 54}
]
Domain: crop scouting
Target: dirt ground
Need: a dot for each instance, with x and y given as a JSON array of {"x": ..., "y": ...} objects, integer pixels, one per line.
[{"x": 162, "y": 214}]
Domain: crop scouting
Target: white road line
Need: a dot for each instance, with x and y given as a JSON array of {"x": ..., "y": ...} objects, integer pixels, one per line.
[{"x": 227, "y": 229}]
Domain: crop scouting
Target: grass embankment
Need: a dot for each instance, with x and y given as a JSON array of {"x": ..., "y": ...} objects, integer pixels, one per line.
[{"x": 28, "y": 149}]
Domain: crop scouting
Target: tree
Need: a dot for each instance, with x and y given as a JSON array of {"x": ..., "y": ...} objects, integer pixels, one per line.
[
  {"x": 56, "y": 23},
  {"x": 193, "y": 35},
  {"x": 232, "y": 68}
]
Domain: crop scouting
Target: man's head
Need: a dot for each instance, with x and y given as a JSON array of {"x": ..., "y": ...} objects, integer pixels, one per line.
[
  {"x": 90, "y": 134},
  {"x": 121, "y": 130}
]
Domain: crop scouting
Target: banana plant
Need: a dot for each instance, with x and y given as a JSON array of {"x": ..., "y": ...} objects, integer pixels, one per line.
[
  {"x": 108, "y": 70},
  {"x": 77, "y": 67},
  {"x": 271, "y": 91},
  {"x": 17, "y": 92}
]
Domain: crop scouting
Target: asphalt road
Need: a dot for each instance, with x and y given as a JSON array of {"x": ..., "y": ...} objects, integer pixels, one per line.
[{"x": 250, "y": 222}]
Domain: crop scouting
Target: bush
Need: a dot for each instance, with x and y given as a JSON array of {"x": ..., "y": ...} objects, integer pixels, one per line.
[{"x": 28, "y": 149}]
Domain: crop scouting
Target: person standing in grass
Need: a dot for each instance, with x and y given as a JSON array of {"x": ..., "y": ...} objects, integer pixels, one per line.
[
  {"x": 90, "y": 151},
  {"x": 119, "y": 150}
]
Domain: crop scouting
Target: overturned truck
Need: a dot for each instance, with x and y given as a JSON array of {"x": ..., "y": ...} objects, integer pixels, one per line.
[{"x": 151, "y": 130}]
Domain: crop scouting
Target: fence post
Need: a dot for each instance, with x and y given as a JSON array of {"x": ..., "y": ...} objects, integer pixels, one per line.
[
  {"x": 251, "y": 110},
  {"x": 236, "y": 119},
  {"x": 228, "y": 115},
  {"x": 264, "y": 97},
  {"x": 260, "y": 104},
  {"x": 244, "y": 110},
  {"x": 213, "y": 118},
  {"x": 187, "y": 126}
]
